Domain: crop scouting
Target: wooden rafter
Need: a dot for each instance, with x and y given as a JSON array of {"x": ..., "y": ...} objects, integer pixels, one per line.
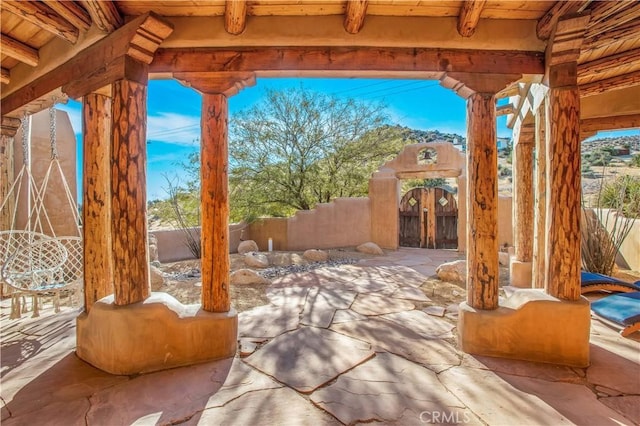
[
  {"x": 608, "y": 63},
  {"x": 469, "y": 17},
  {"x": 19, "y": 50},
  {"x": 235, "y": 16},
  {"x": 72, "y": 12},
  {"x": 597, "y": 124},
  {"x": 44, "y": 17},
  {"x": 4, "y": 76},
  {"x": 354, "y": 15},
  {"x": 127, "y": 50},
  {"x": 613, "y": 83},
  {"x": 559, "y": 9},
  {"x": 104, "y": 14},
  {"x": 346, "y": 59},
  {"x": 608, "y": 15},
  {"x": 626, "y": 32}
]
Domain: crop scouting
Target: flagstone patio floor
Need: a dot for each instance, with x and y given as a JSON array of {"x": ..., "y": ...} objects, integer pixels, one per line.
[{"x": 338, "y": 345}]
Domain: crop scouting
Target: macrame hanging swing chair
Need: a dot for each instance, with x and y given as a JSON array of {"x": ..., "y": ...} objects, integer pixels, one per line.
[{"x": 34, "y": 260}]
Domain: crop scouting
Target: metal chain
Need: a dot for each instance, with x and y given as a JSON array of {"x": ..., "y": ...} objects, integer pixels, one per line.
[
  {"x": 25, "y": 139},
  {"x": 52, "y": 130}
]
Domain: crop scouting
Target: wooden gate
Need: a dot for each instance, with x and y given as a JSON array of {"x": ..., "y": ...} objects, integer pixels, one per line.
[{"x": 428, "y": 218}]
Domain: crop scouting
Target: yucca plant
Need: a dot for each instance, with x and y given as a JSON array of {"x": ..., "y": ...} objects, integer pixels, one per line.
[{"x": 604, "y": 226}]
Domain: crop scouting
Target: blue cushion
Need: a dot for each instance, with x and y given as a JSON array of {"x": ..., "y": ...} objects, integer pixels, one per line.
[{"x": 621, "y": 308}]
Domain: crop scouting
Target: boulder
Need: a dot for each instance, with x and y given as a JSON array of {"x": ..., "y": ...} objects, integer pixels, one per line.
[
  {"x": 455, "y": 271},
  {"x": 315, "y": 255},
  {"x": 247, "y": 246},
  {"x": 247, "y": 276},
  {"x": 370, "y": 248},
  {"x": 256, "y": 260},
  {"x": 153, "y": 249},
  {"x": 157, "y": 279}
]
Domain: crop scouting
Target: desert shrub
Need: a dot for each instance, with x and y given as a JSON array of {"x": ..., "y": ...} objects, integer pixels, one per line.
[
  {"x": 604, "y": 229},
  {"x": 635, "y": 161}
]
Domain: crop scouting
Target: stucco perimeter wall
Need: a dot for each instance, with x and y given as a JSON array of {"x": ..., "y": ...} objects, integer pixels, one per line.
[
  {"x": 505, "y": 219},
  {"x": 269, "y": 227},
  {"x": 341, "y": 223},
  {"x": 172, "y": 243}
]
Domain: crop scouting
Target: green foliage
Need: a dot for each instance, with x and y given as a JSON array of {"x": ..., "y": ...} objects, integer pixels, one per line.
[
  {"x": 434, "y": 182},
  {"x": 598, "y": 157},
  {"x": 635, "y": 161},
  {"x": 298, "y": 148},
  {"x": 622, "y": 194}
]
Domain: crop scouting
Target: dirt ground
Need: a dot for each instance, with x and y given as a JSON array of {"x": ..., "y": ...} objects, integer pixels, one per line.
[{"x": 182, "y": 280}]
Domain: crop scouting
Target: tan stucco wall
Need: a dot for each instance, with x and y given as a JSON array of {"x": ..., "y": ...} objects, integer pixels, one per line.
[
  {"x": 156, "y": 334},
  {"x": 55, "y": 201},
  {"x": 384, "y": 196},
  {"x": 341, "y": 223},
  {"x": 629, "y": 255},
  {"x": 275, "y": 228},
  {"x": 505, "y": 225},
  {"x": 526, "y": 326}
]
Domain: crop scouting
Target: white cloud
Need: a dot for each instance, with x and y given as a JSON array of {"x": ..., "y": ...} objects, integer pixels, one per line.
[{"x": 173, "y": 128}]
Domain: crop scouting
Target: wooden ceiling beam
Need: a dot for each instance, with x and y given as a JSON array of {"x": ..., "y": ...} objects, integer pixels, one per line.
[
  {"x": 43, "y": 17},
  {"x": 627, "y": 32},
  {"x": 613, "y": 83},
  {"x": 98, "y": 65},
  {"x": 18, "y": 50},
  {"x": 346, "y": 59},
  {"x": 235, "y": 16},
  {"x": 608, "y": 63},
  {"x": 469, "y": 17},
  {"x": 4, "y": 76},
  {"x": 354, "y": 15},
  {"x": 104, "y": 14},
  {"x": 72, "y": 12},
  {"x": 559, "y": 9},
  {"x": 607, "y": 15},
  {"x": 598, "y": 124}
]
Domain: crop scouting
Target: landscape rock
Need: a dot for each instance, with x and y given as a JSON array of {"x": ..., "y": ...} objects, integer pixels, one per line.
[
  {"x": 436, "y": 311},
  {"x": 256, "y": 260},
  {"x": 455, "y": 271},
  {"x": 247, "y": 276},
  {"x": 153, "y": 248},
  {"x": 315, "y": 255},
  {"x": 157, "y": 279},
  {"x": 370, "y": 248},
  {"x": 246, "y": 246}
]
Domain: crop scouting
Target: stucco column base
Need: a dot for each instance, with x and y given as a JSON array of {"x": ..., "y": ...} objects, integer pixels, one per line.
[
  {"x": 520, "y": 273},
  {"x": 531, "y": 325},
  {"x": 156, "y": 334}
]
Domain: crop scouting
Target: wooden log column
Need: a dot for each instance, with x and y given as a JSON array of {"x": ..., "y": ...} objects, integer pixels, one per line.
[
  {"x": 563, "y": 160},
  {"x": 540, "y": 205},
  {"x": 128, "y": 199},
  {"x": 482, "y": 202},
  {"x": 523, "y": 193},
  {"x": 215, "y": 204},
  {"x": 214, "y": 195},
  {"x": 96, "y": 212}
]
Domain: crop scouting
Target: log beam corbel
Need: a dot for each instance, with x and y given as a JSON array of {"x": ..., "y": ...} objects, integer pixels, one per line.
[
  {"x": 5, "y": 76},
  {"x": 354, "y": 15},
  {"x": 469, "y": 17}
]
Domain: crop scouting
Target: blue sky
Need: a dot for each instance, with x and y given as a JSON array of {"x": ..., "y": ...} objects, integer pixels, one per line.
[{"x": 174, "y": 114}]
